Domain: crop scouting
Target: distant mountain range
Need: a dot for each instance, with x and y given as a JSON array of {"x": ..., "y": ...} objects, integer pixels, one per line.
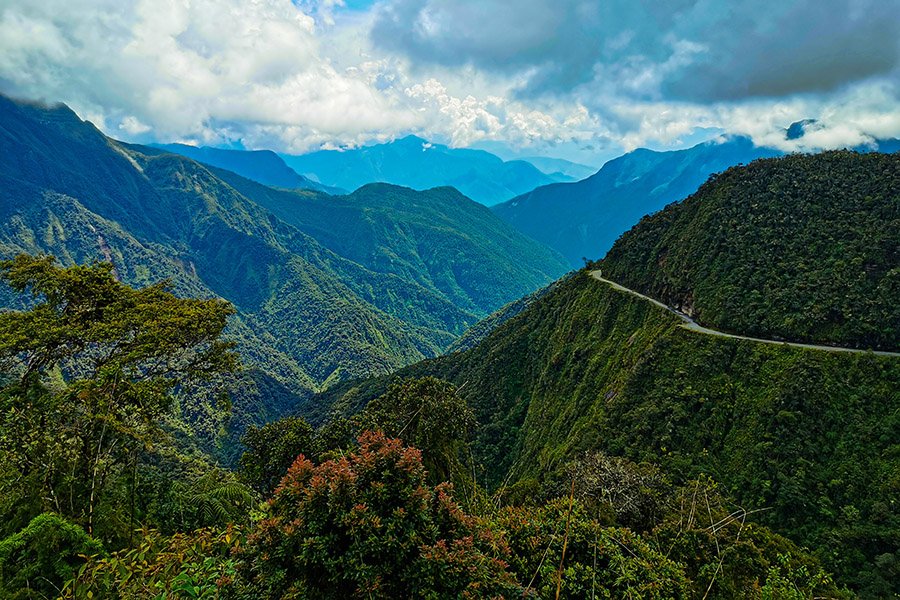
[
  {"x": 262, "y": 166},
  {"x": 416, "y": 163},
  {"x": 560, "y": 167},
  {"x": 325, "y": 287},
  {"x": 583, "y": 219}
]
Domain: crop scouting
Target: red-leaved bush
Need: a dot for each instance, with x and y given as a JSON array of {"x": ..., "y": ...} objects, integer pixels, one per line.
[{"x": 368, "y": 525}]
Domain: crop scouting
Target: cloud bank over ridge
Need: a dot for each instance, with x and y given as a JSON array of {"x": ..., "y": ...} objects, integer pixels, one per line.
[{"x": 562, "y": 76}]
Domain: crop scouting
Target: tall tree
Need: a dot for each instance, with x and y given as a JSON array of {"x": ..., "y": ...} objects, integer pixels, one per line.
[{"x": 90, "y": 370}]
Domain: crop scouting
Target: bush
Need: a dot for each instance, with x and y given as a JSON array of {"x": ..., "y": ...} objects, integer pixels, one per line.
[
  {"x": 184, "y": 565},
  {"x": 38, "y": 560},
  {"x": 368, "y": 525}
]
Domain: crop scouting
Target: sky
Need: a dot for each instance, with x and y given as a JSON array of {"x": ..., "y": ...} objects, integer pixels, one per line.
[{"x": 576, "y": 79}]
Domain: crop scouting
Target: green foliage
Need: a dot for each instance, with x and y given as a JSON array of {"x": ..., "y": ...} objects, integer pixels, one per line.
[
  {"x": 93, "y": 363},
  {"x": 368, "y": 525},
  {"x": 786, "y": 582},
  {"x": 599, "y": 562},
  {"x": 272, "y": 449},
  {"x": 801, "y": 248},
  {"x": 36, "y": 561},
  {"x": 725, "y": 553},
  {"x": 196, "y": 565},
  {"x": 808, "y": 435},
  {"x": 429, "y": 415}
]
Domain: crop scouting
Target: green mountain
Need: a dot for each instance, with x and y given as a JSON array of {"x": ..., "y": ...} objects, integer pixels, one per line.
[
  {"x": 808, "y": 438},
  {"x": 309, "y": 313},
  {"x": 583, "y": 219},
  {"x": 802, "y": 248},
  {"x": 438, "y": 239},
  {"x": 419, "y": 164},
  {"x": 262, "y": 166}
]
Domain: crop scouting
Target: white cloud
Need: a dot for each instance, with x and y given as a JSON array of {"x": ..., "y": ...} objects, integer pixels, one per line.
[
  {"x": 198, "y": 69},
  {"x": 298, "y": 75}
]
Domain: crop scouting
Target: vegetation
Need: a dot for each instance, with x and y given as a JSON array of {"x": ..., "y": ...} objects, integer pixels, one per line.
[
  {"x": 324, "y": 288},
  {"x": 368, "y": 525},
  {"x": 38, "y": 560},
  {"x": 428, "y": 414},
  {"x": 194, "y": 565},
  {"x": 801, "y": 248},
  {"x": 272, "y": 449},
  {"x": 808, "y": 436},
  {"x": 91, "y": 368}
]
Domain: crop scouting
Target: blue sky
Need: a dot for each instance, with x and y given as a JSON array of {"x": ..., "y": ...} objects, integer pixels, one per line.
[{"x": 578, "y": 79}]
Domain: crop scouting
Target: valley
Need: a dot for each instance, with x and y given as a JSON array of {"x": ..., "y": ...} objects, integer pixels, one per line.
[{"x": 326, "y": 300}]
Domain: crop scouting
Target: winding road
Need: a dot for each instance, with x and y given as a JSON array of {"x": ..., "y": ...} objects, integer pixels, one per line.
[{"x": 691, "y": 325}]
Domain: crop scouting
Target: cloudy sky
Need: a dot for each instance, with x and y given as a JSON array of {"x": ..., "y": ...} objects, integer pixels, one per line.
[{"x": 578, "y": 79}]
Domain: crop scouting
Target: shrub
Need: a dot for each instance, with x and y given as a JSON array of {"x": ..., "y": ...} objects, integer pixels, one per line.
[
  {"x": 36, "y": 561},
  {"x": 368, "y": 525}
]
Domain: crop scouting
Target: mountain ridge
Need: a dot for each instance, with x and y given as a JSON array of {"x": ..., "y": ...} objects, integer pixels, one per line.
[
  {"x": 306, "y": 314},
  {"x": 416, "y": 163}
]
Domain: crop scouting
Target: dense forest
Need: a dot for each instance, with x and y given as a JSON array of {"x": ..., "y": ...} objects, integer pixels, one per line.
[
  {"x": 808, "y": 438},
  {"x": 803, "y": 247},
  {"x": 106, "y": 494},
  {"x": 575, "y": 443}
]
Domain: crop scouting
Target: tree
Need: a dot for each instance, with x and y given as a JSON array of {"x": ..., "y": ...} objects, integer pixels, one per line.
[
  {"x": 272, "y": 449},
  {"x": 368, "y": 525},
  {"x": 91, "y": 366},
  {"x": 634, "y": 493},
  {"x": 35, "y": 562},
  {"x": 428, "y": 414}
]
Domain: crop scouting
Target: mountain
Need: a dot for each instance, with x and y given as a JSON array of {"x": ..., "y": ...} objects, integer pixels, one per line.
[
  {"x": 798, "y": 129},
  {"x": 419, "y": 164},
  {"x": 583, "y": 219},
  {"x": 262, "y": 166},
  {"x": 805, "y": 437},
  {"x": 806, "y": 247},
  {"x": 307, "y": 315},
  {"x": 438, "y": 239},
  {"x": 560, "y": 167}
]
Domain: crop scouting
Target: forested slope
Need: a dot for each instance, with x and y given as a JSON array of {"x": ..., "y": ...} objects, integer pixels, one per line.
[
  {"x": 808, "y": 438},
  {"x": 307, "y": 315},
  {"x": 805, "y": 248}
]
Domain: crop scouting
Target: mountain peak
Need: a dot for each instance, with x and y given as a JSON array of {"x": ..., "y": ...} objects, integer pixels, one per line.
[{"x": 797, "y": 129}]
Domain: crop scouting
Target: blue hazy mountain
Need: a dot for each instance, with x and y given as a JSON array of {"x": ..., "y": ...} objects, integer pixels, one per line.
[
  {"x": 583, "y": 219},
  {"x": 262, "y": 166},
  {"x": 416, "y": 163},
  {"x": 560, "y": 167}
]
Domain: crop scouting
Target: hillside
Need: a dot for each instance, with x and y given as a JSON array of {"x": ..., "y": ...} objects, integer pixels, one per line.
[
  {"x": 583, "y": 219},
  {"x": 804, "y": 248},
  {"x": 262, "y": 166},
  {"x": 806, "y": 437},
  {"x": 307, "y": 315},
  {"x": 438, "y": 239},
  {"x": 419, "y": 164}
]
